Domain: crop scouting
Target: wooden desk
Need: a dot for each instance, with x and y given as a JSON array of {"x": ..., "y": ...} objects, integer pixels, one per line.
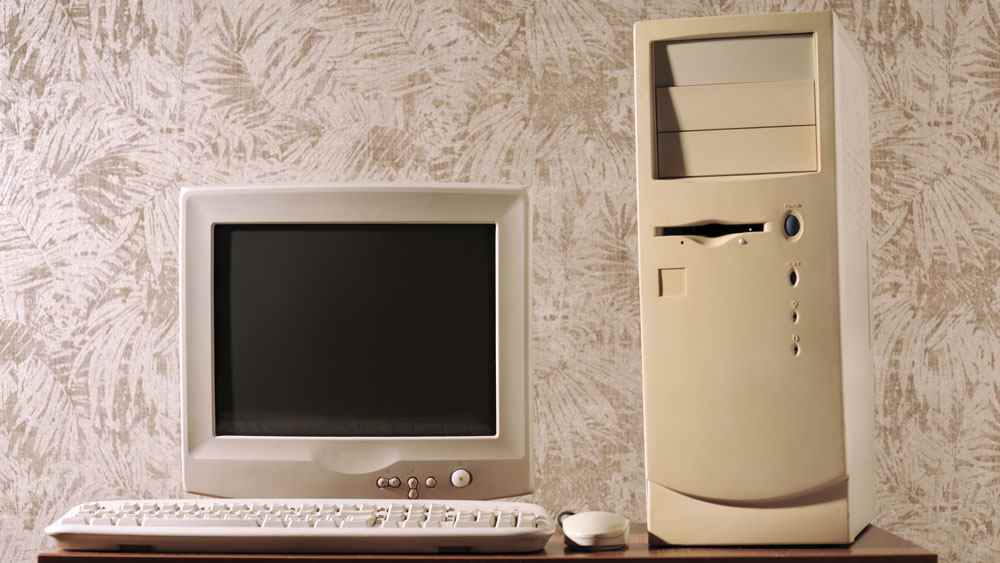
[{"x": 874, "y": 545}]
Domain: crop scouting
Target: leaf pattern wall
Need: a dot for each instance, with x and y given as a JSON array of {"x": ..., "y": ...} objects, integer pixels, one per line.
[{"x": 109, "y": 105}]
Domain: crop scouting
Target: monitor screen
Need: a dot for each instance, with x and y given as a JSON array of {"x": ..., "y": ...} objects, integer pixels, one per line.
[{"x": 355, "y": 329}]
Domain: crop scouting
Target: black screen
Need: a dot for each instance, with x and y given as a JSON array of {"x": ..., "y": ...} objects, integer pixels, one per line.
[{"x": 355, "y": 329}]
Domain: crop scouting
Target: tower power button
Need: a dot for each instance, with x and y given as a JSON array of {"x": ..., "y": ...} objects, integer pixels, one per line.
[
  {"x": 460, "y": 478},
  {"x": 792, "y": 225}
]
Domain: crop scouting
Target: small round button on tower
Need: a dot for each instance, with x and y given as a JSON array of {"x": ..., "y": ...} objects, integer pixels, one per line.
[
  {"x": 394, "y": 482},
  {"x": 413, "y": 493},
  {"x": 460, "y": 478},
  {"x": 381, "y": 482},
  {"x": 431, "y": 482},
  {"x": 412, "y": 482},
  {"x": 792, "y": 225}
]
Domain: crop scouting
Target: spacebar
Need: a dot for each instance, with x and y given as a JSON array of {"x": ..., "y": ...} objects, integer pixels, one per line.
[{"x": 179, "y": 523}]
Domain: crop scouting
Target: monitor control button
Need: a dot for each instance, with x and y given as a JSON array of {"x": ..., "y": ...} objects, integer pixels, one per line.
[
  {"x": 460, "y": 478},
  {"x": 431, "y": 482},
  {"x": 412, "y": 482},
  {"x": 394, "y": 482},
  {"x": 381, "y": 482},
  {"x": 412, "y": 493}
]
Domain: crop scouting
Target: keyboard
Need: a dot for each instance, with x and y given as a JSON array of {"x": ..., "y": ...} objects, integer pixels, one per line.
[{"x": 304, "y": 526}]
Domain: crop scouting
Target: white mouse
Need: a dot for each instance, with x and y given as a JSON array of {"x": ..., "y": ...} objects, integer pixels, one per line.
[{"x": 594, "y": 530}]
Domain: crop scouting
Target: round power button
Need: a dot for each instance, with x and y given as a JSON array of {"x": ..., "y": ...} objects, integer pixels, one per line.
[
  {"x": 460, "y": 478},
  {"x": 792, "y": 225}
]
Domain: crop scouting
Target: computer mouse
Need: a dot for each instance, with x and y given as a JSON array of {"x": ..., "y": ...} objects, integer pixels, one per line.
[{"x": 594, "y": 531}]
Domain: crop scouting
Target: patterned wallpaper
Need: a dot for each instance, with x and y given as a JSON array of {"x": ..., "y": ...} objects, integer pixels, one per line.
[{"x": 109, "y": 105}]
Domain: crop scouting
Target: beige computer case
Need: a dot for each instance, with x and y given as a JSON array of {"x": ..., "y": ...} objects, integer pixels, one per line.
[{"x": 757, "y": 372}]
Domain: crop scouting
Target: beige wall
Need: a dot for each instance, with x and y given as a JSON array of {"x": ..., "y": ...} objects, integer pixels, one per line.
[{"x": 108, "y": 106}]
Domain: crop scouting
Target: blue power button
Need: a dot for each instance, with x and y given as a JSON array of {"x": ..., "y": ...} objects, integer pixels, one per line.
[{"x": 792, "y": 225}]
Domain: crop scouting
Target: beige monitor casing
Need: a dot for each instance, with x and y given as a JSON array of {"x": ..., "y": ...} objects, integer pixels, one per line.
[
  {"x": 757, "y": 393},
  {"x": 350, "y": 466}
]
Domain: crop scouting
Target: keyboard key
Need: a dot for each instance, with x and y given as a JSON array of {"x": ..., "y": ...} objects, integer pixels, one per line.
[
  {"x": 328, "y": 524},
  {"x": 127, "y": 521},
  {"x": 101, "y": 522},
  {"x": 75, "y": 521},
  {"x": 359, "y": 523},
  {"x": 193, "y": 523},
  {"x": 475, "y": 524},
  {"x": 299, "y": 523}
]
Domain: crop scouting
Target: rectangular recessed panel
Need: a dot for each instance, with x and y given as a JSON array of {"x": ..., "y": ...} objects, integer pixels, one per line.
[
  {"x": 727, "y": 152},
  {"x": 730, "y": 106},
  {"x": 765, "y": 58},
  {"x": 673, "y": 282}
]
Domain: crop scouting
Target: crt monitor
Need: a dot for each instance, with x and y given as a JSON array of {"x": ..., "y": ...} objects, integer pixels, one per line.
[{"x": 364, "y": 341}]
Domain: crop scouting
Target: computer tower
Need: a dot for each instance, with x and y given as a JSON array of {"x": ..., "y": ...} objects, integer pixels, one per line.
[{"x": 753, "y": 173}]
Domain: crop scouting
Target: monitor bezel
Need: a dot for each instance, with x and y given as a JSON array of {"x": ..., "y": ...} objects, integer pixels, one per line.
[{"x": 349, "y": 465}]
